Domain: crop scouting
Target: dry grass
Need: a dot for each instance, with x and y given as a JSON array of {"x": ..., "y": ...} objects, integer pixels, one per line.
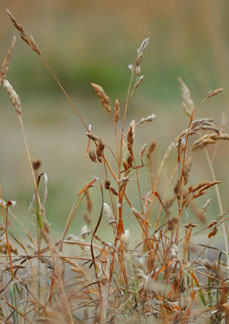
[{"x": 160, "y": 276}]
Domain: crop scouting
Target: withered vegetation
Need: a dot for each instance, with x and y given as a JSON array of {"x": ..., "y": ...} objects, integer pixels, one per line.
[{"x": 160, "y": 276}]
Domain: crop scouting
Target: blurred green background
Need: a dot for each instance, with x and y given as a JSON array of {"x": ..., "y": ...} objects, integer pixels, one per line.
[{"x": 94, "y": 41}]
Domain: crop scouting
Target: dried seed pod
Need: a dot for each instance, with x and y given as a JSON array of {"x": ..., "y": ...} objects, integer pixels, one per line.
[
  {"x": 213, "y": 232},
  {"x": 130, "y": 140},
  {"x": 100, "y": 149},
  {"x": 214, "y": 222},
  {"x": 36, "y": 164},
  {"x": 129, "y": 161},
  {"x": 92, "y": 156},
  {"x": 107, "y": 184},
  {"x": 190, "y": 225},
  {"x": 151, "y": 149},
  {"x": 114, "y": 191}
]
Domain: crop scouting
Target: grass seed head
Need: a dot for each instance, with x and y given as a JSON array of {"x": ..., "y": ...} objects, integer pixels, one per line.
[
  {"x": 188, "y": 103},
  {"x": 117, "y": 110},
  {"x": 16, "y": 102},
  {"x": 28, "y": 40},
  {"x": 141, "y": 50},
  {"x": 5, "y": 63},
  {"x": 100, "y": 149},
  {"x": 104, "y": 99},
  {"x": 151, "y": 149}
]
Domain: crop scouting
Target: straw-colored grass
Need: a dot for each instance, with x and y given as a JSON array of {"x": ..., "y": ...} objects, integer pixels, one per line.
[{"x": 160, "y": 276}]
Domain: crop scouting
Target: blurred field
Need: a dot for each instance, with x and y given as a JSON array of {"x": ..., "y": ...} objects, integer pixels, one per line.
[{"x": 95, "y": 41}]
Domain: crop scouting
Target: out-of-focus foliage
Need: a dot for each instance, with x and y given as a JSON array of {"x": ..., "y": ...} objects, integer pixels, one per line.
[{"x": 94, "y": 40}]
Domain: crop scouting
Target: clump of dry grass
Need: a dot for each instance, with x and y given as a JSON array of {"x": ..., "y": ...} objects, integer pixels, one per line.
[{"x": 160, "y": 278}]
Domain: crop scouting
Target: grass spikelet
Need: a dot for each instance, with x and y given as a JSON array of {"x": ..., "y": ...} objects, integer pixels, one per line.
[
  {"x": 104, "y": 99},
  {"x": 99, "y": 150},
  {"x": 188, "y": 104},
  {"x": 212, "y": 93},
  {"x": 208, "y": 139},
  {"x": 28, "y": 40},
  {"x": 151, "y": 149},
  {"x": 5, "y": 63},
  {"x": 16, "y": 102},
  {"x": 140, "y": 52},
  {"x": 148, "y": 119},
  {"x": 117, "y": 110}
]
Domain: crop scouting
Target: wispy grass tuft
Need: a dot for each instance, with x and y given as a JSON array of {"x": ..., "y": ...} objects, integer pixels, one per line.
[{"x": 158, "y": 276}]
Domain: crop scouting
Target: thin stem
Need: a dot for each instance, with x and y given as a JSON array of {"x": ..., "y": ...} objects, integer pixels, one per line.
[{"x": 225, "y": 231}]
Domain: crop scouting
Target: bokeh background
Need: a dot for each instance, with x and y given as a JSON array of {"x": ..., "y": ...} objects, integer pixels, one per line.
[{"x": 94, "y": 41}]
